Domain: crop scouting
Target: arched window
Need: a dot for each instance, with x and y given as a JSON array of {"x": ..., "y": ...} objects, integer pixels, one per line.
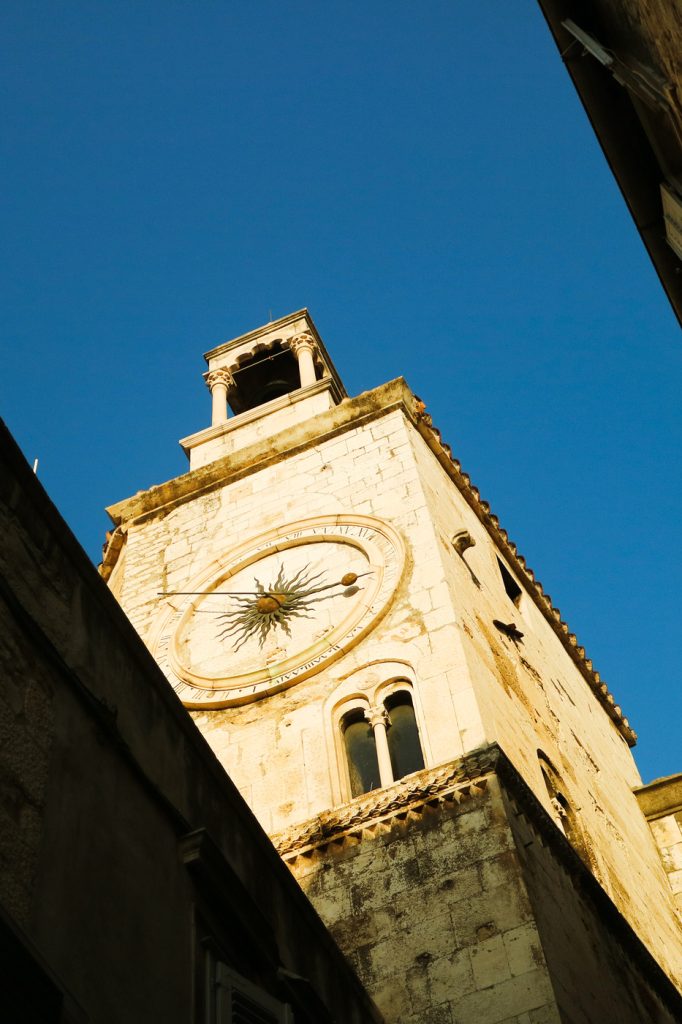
[
  {"x": 381, "y": 743},
  {"x": 361, "y": 752},
  {"x": 403, "y": 735},
  {"x": 563, "y": 812}
]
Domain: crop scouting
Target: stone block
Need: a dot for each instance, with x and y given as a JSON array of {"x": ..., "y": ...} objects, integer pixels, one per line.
[
  {"x": 177, "y": 549},
  {"x": 441, "y": 1014},
  {"x": 489, "y": 962},
  {"x": 524, "y": 952},
  {"x": 363, "y": 929},
  {"x": 390, "y": 994},
  {"x": 672, "y": 857},
  {"x": 666, "y": 831},
  {"x": 675, "y": 879},
  {"x": 418, "y": 985},
  {"x": 451, "y": 977},
  {"x": 334, "y": 905},
  {"x": 548, "y": 1014},
  {"x": 508, "y": 998},
  {"x": 500, "y": 909}
]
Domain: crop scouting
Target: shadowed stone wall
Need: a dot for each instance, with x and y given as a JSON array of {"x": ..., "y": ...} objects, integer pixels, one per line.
[
  {"x": 600, "y": 970},
  {"x": 123, "y": 844}
]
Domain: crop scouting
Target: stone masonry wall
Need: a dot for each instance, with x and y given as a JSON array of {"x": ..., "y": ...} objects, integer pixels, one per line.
[
  {"x": 279, "y": 750},
  {"x": 465, "y": 903},
  {"x": 599, "y": 969},
  {"x": 103, "y": 779},
  {"x": 433, "y": 914},
  {"x": 26, "y": 732},
  {"x": 667, "y": 832}
]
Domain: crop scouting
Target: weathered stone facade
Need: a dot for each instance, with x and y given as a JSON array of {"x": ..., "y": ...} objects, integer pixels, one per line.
[
  {"x": 430, "y": 905},
  {"x": 457, "y": 899},
  {"x": 469, "y": 632}
]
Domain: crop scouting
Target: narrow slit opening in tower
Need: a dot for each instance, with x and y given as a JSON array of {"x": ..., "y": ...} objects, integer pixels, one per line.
[{"x": 513, "y": 590}]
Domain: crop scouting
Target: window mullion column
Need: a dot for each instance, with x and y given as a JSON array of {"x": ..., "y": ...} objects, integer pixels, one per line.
[{"x": 378, "y": 719}]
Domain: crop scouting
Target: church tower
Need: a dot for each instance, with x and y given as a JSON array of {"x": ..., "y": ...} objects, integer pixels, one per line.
[{"x": 398, "y": 700}]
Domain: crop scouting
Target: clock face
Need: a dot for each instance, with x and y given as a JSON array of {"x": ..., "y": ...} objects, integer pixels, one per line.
[{"x": 277, "y": 609}]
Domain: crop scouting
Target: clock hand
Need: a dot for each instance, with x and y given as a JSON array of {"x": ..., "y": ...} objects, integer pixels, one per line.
[{"x": 345, "y": 581}]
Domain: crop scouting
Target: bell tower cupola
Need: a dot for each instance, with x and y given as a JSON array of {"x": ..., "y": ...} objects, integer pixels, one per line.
[{"x": 262, "y": 383}]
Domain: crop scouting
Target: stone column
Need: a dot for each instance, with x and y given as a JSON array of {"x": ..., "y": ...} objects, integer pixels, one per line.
[
  {"x": 303, "y": 346},
  {"x": 218, "y": 382},
  {"x": 378, "y": 719}
]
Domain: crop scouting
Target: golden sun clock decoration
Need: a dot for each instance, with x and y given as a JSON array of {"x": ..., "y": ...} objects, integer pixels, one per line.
[
  {"x": 263, "y": 610},
  {"x": 277, "y": 609}
]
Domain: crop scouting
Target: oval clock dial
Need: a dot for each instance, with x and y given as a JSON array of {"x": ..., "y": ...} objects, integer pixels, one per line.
[{"x": 277, "y": 609}]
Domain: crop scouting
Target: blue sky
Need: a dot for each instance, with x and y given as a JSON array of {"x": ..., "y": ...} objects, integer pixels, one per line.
[{"x": 423, "y": 178}]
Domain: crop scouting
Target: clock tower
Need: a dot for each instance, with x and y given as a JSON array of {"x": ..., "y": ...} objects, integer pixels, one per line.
[{"x": 398, "y": 700}]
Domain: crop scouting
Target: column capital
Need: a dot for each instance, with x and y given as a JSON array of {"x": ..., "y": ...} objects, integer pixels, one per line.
[
  {"x": 377, "y": 716},
  {"x": 220, "y": 376},
  {"x": 304, "y": 340}
]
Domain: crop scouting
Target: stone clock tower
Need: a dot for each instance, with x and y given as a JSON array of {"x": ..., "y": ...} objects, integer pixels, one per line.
[{"x": 398, "y": 700}]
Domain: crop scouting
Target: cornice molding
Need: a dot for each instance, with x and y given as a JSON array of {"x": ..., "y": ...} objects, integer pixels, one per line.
[
  {"x": 661, "y": 797},
  {"x": 258, "y": 412},
  {"x": 259, "y": 332},
  {"x": 451, "y": 783}
]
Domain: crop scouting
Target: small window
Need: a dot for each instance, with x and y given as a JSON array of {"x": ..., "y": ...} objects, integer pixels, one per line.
[
  {"x": 361, "y": 752},
  {"x": 403, "y": 736},
  {"x": 381, "y": 743},
  {"x": 513, "y": 590},
  {"x": 238, "y": 1001}
]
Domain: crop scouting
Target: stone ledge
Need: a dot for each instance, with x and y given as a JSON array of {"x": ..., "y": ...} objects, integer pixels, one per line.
[
  {"x": 451, "y": 783},
  {"x": 260, "y": 412},
  {"x": 660, "y": 797}
]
